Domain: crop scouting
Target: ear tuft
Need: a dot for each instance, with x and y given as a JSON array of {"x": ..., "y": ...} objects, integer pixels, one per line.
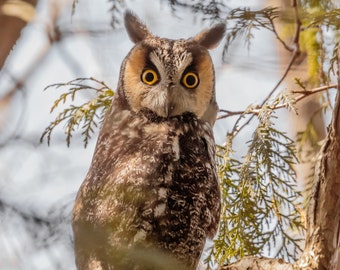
[
  {"x": 136, "y": 30},
  {"x": 211, "y": 37}
]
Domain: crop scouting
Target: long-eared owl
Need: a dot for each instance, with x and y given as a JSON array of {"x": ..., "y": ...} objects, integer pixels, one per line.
[{"x": 151, "y": 197}]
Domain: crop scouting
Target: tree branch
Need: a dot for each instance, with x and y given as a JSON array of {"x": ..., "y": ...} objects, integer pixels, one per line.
[
  {"x": 259, "y": 263},
  {"x": 323, "y": 216},
  {"x": 256, "y": 108},
  {"x": 296, "y": 53},
  {"x": 321, "y": 251}
]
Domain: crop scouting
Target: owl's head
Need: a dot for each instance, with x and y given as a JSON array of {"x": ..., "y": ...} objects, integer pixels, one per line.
[{"x": 169, "y": 77}]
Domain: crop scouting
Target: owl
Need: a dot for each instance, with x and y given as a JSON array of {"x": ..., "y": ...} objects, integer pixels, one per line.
[{"x": 151, "y": 197}]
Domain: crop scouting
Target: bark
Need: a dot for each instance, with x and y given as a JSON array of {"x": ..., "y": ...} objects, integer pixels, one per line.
[
  {"x": 323, "y": 216},
  {"x": 322, "y": 247},
  {"x": 258, "y": 263},
  {"x": 14, "y": 15}
]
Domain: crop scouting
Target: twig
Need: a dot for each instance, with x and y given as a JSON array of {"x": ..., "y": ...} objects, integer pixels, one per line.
[
  {"x": 314, "y": 90},
  {"x": 255, "y": 109},
  {"x": 296, "y": 40},
  {"x": 235, "y": 129},
  {"x": 229, "y": 113},
  {"x": 284, "y": 44},
  {"x": 296, "y": 53},
  {"x": 305, "y": 94},
  {"x": 291, "y": 62}
]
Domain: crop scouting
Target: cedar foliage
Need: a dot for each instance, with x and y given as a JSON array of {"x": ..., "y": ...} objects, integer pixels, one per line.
[{"x": 261, "y": 211}]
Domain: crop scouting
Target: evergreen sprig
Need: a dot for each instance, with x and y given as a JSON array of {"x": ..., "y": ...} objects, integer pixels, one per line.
[
  {"x": 260, "y": 203},
  {"x": 246, "y": 21},
  {"x": 212, "y": 10},
  {"x": 258, "y": 191},
  {"x": 333, "y": 62},
  {"x": 85, "y": 116},
  {"x": 328, "y": 17},
  {"x": 117, "y": 8}
]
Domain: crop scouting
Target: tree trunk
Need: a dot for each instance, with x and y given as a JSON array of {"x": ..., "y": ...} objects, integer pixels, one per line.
[
  {"x": 14, "y": 15},
  {"x": 323, "y": 216}
]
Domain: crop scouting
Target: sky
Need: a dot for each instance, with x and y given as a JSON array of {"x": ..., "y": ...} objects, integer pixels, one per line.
[{"x": 44, "y": 180}]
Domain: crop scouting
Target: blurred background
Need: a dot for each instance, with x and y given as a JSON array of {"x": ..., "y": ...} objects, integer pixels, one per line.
[{"x": 43, "y": 42}]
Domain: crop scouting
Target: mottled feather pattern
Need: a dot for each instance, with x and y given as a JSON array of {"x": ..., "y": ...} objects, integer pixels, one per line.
[
  {"x": 142, "y": 171},
  {"x": 151, "y": 196}
]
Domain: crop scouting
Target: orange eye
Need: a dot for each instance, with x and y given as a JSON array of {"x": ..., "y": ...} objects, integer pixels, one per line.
[
  {"x": 190, "y": 80},
  {"x": 149, "y": 77}
]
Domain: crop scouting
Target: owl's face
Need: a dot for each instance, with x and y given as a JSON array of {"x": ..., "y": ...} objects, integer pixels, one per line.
[{"x": 169, "y": 77}]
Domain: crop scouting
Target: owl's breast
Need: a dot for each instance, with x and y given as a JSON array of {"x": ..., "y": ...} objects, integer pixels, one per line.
[
  {"x": 153, "y": 182},
  {"x": 193, "y": 201}
]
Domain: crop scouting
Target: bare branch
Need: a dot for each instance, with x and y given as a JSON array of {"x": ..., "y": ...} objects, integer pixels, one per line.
[
  {"x": 256, "y": 108},
  {"x": 258, "y": 263},
  {"x": 284, "y": 44},
  {"x": 296, "y": 53}
]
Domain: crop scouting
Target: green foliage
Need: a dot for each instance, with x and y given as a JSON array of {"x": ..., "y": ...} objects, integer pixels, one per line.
[
  {"x": 312, "y": 37},
  {"x": 318, "y": 16},
  {"x": 308, "y": 143},
  {"x": 310, "y": 45},
  {"x": 333, "y": 62},
  {"x": 318, "y": 20},
  {"x": 261, "y": 205},
  {"x": 211, "y": 10},
  {"x": 85, "y": 116},
  {"x": 246, "y": 21},
  {"x": 116, "y": 12},
  {"x": 259, "y": 197},
  {"x": 317, "y": 3},
  {"x": 300, "y": 83},
  {"x": 260, "y": 201}
]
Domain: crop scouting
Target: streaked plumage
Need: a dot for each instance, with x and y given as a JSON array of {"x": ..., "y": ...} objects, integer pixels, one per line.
[{"x": 151, "y": 196}]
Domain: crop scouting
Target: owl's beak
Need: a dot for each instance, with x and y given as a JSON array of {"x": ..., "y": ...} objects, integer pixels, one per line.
[
  {"x": 162, "y": 102},
  {"x": 169, "y": 103},
  {"x": 158, "y": 101},
  {"x": 167, "y": 106}
]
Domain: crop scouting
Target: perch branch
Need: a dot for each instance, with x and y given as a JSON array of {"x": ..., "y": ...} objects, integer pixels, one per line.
[
  {"x": 255, "y": 110},
  {"x": 296, "y": 53}
]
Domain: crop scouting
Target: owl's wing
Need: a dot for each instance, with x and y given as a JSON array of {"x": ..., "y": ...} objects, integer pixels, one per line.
[
  {"x": 207, "y": 135},
  {"x": 211, "y": 113}
]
